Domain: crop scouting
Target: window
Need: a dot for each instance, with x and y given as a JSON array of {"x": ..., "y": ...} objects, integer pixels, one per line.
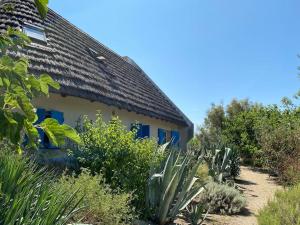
[
  {"x": 165, "y": 136},
  {"x": 175, "y": 137},
  {"x": 35, "y": 32},
  {"x": 162, "y": 136},
  {"x": 42, "y": 115},
  {"x": 142, "y": 131},
  {"x": 96, "y": 55}
]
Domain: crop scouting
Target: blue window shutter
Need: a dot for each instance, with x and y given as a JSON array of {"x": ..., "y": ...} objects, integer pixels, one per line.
[
  {"x": 145, "y": 131},
  {"x": 59, "y": 116},
  {"x": 41, "y": 113},
  {"x": 162, "y": 136},
  {"x": 175, "y": 138}
]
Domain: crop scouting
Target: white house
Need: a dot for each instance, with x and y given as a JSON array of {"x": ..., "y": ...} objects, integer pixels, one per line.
[{"x": 92, "y": 77}]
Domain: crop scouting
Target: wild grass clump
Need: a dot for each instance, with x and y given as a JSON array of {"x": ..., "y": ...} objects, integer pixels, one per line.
[
  {"x": 284, "y": 209},
  {"x": 28, "y": 195},
  {"x": 101, "y": 204},
  {"x": 221, "y": 198}
]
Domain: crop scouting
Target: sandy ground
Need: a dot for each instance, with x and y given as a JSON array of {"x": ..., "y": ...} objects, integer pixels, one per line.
[{"x": 258, "y": 187}]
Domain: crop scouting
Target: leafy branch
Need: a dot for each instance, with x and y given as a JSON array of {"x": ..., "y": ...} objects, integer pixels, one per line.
[
  {"x": 42, "y": 7},
  {"x": 18, "y": 88}
]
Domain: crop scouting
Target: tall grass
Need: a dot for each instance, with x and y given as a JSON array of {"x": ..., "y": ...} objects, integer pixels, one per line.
[
  {"x": 284, "y": 209},
  {"x": 28, "y": 196}
]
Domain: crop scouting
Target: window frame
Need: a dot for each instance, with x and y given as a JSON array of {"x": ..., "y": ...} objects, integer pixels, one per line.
[{"x": 26, "y": 30}]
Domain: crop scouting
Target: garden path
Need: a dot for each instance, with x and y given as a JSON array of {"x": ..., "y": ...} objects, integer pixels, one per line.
[{"x": 258, "y": 187}]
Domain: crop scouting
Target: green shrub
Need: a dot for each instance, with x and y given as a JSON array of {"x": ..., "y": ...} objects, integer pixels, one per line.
[
  {"x": 284, "y": 209},
  {"x": 203, "y": 172},
  {"x": 280, "y": 140},
  {"x": 221, "y": 198},
  {"x": 28, "y": 196},
  {"x": 235, "y": 163},
  {"x": 101, "y": 204},
  {"x": 114, "y": 151}
]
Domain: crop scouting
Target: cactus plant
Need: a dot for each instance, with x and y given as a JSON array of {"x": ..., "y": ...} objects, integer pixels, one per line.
[{"x": 172, "y": 190}]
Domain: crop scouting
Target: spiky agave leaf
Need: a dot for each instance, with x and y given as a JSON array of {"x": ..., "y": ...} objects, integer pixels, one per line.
[{"x": 176, "y": 186}]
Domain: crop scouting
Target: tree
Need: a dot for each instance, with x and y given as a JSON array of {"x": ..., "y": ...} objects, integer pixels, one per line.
[{"x": 18, "y": 87}]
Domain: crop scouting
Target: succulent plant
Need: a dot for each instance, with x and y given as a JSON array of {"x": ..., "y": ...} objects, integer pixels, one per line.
[
  {"x": 220, "y": 164},
  {"x": 173, "y": 189}
]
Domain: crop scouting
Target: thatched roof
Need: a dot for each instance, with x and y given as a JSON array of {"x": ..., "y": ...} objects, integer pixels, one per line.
[{"x": 70, "y": 57}]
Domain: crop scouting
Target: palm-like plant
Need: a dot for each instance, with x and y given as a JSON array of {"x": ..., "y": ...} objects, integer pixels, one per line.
[
  {"x": 172, "y": 190},
  {"x": 27, "y": 196}
]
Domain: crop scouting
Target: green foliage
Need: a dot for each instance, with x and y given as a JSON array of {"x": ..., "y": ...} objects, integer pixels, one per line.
[
  {"x": 203, "y": 172},
  {"x": 42, "y": 7},
  {"x": 17, "y": 88},
  {"x": 266, "y": 136},
  {"x": 222, "y": 164},
  {"x": 195, "y": 212},
  {"x": 101, "y": 204},
  {"x": 235, "y": 168},
  {"x": 114, "y": 151},
  {"x": 173, "y": 189},
  {"x": 221, "y": 198},
  {"x": 233, "y": 126},
  {"x": 28, "y": 197},
  {"x": 280, "y": 141},
  {"x": 284, "y": 209},
  {"x": 194, "y": 147}
]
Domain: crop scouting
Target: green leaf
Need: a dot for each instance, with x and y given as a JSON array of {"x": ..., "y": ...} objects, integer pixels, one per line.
[
  {"x": 25, "y": 104},
  {"x": 1, "y": 82},
  {"x": 21, "y": 67},
  {"x": 6, "y": 82},
  {"x": 10, "y": 101},
  {"x": 45, "y": 82},
  {"x": 57, "y": 133},
  {"x": 71, "y": 133},
  {"x": 42, "y": 6},
  {"x": 32, "y": 134},
  {"x": 34, "y": 83},
  {"x": 9, "y": 116},
  {"x": 21, "y": 39}
]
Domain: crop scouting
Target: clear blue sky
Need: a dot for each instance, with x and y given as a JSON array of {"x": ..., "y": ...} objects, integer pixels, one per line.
[{"x": 201, "y": 51}]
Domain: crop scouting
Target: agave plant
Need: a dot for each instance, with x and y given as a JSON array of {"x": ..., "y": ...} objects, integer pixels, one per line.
[
  {"x": 220, "y": 164},
  {"x": 173, "y": 189},
  {"x": 195, "y": 212},
  {"x": 27, "y": 196}
]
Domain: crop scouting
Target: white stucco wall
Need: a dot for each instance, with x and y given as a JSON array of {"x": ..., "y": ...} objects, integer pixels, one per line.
[{"x": 74, "y": 107}]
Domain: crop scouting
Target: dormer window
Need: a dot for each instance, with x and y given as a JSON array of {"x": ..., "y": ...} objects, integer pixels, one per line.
[
  {"x": 96, "y": 55},
  {"x": 35, "y": 32}
]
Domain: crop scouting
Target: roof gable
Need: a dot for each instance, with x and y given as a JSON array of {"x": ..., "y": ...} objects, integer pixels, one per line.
[{"x": 113, "y": 80}]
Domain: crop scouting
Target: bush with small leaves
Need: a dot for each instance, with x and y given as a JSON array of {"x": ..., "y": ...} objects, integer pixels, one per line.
[
  {"x": 124, "y": 160},
  {"x": 101, "y": 204},
  {"x": 221, "y": 198}
]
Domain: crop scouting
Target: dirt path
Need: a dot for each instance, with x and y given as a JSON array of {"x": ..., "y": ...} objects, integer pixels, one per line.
[{"x": 258, "y": 188}]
